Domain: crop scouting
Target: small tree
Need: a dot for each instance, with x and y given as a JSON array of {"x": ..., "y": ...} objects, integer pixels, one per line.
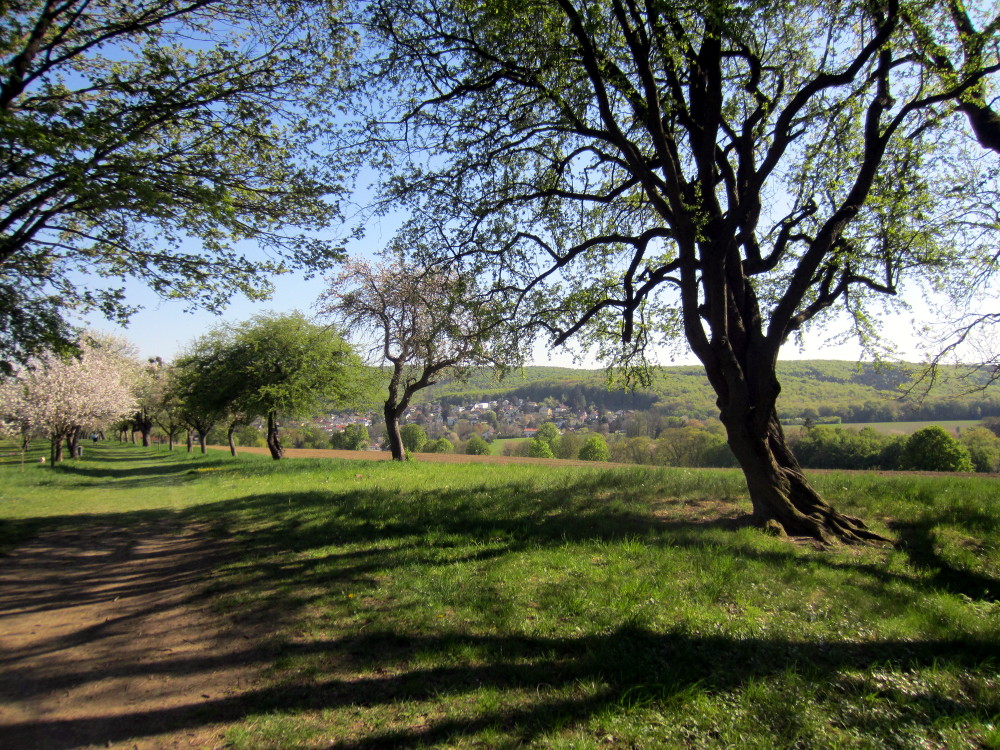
[
  {"x": 595, "y": 449},
  {"x": 272, "y": 365},
  {"x": 476, "y": 446},
  {"x": 425, "y": 322},
  {"x": 441, "y": 445},
  {"x": 549, "y": 433},
  {"x": 539, "y": 449},
  {"x": 933, "y": 449},
  {"x": 413, "y": 436},
  {"x": 354, "y": 437}
]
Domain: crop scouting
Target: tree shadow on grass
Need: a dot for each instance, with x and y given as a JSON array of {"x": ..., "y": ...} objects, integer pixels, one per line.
[
  {"x": 627, "y": 667},
  {"x": 917, "y": 539},
  {"x": 378, "y": 530}
]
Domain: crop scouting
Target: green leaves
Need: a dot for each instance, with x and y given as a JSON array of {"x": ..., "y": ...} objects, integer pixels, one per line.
[{"x": 149, "y": 139}]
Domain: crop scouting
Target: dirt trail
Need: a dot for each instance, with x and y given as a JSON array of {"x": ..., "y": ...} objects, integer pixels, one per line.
[{"x": 106, "y": 641}]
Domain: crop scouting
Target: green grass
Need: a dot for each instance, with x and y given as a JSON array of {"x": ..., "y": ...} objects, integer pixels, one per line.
[{"x": 488, "y": 606}]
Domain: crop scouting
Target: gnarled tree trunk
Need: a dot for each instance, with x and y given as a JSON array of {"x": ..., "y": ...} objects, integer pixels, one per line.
[{"x": 392, "y": 412}]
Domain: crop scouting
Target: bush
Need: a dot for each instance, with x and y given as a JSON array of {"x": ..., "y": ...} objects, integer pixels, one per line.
[
  {"x": 984, "y": 448},
  {"x": 595, "y": 449},
  {"x": 354, "y": 437},
  {"x": 539, "y": 449},
  {"x": 933, "y": 449},
  {"x": 441, "y": 445},
  {"x": 477, "y": 446},
  {"x": 414, "y": 437}
]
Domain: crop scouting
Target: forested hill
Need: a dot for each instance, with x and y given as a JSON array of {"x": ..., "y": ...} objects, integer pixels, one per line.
[{"x": 810, "y": 388}]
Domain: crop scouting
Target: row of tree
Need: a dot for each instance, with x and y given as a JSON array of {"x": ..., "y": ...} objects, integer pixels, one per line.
[{"x": 722, "y": 174}]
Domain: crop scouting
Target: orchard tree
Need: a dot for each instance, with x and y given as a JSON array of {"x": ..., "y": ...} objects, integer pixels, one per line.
[
  {"x": 144, "y": 140},
  {"x": 274, "y": 366},
  {"x": 60, "y": 395},
  {"x": 425, "y": 323},
  {"x": 725, "y": 174}
]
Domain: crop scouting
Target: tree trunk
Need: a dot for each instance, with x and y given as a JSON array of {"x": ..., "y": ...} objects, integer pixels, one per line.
[
  {"x": 56, "y": 448},
  {"x": 232, "y": 440},
  {"x": 201, "y": 440},
  {"x": 190, "y": 442},
  {"x": 73, "y": 442},
  {"x": 273, "y": 441},
  {"x": 781, "y": 496},
  {"x": 392, "y": 433}
]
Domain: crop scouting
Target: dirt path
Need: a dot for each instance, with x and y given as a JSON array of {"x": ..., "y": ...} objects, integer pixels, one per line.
[{"x": 106, "y": 641}]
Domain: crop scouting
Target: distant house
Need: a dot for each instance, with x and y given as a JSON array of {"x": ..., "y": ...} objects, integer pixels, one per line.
[{"x": 529, "y": 432}]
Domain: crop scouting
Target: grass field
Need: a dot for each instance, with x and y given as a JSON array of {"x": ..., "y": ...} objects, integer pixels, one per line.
[{"x": 510, "y": 606}]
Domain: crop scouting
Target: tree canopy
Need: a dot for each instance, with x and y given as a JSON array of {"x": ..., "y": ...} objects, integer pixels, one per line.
[
  {"x": 273, "y": 366},
  {"x": 727, "y": 174},
  {"x": 145, "y": 140},
  {"x": 424, "y": 322}
]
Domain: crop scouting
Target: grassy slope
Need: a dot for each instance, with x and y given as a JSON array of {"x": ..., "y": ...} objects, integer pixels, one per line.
[{"x": 522, "y": 606}]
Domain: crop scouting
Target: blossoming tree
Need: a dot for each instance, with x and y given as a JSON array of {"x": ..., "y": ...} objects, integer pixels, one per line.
[{"x": 61, "y": 396}]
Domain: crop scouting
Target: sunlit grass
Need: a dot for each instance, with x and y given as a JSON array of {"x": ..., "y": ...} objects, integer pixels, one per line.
[{"x": 503, "y": 606}]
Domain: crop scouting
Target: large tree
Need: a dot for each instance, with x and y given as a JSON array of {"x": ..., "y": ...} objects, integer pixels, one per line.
[
  {"x": 146, "y": 139},
  {"x": 637, "y": 170},
  {"x": 424, "y": 323},
  {"x": 270, "y": 367}
]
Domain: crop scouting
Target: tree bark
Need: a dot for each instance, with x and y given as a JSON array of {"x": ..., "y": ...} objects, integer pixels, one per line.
[
  {"x": 190, "y": 442},
  {"x": 780, "y": 494},
  {"x": 144, "y": 423},
  {"x": 229, "y": 435},
  {"x": 273, "y": 441},
  {"x": 391, "y": 413}
]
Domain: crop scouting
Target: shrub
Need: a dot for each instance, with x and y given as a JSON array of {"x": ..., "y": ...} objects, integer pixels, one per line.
[
  {"x": 414, "y": 437},
  {"x": 539, "y": 449},
  {"x": 984, "y": 448},
  {"x": 477, "y": 446},
  {"x": 441, "y": 445},
  {"x": 595, "y": 449}
]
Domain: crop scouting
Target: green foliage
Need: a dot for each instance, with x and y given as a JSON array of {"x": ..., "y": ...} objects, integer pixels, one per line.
[
  {"x": 548, "y": 433},
  {"x": 272, "y": 364},
  {"x": 836, "y": 448},
  {"x": 539, "y": 449},
  {"x": 984, "y": 448},
  {"x": 476, "y": 446},
  {"x": 933, "y": 449},
  {"x": 354, "y": 437},
  {"x": 129, "y": 130},
  {"x": 249, "y": 436},
  {"x": 414, "y": 437},
  {"x": 441, "y": 445},
  {"x": 595, "y": 448}
]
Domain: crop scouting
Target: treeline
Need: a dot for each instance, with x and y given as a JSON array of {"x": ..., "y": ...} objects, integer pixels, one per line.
[
  {"x": 576, "y": 394},
  {"x": 814, "y": 390}
]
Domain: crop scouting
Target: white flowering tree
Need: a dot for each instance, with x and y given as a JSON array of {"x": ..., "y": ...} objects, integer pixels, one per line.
[
  {"x": 424, "y": 323},
  {"x": 61, "y": 396}
]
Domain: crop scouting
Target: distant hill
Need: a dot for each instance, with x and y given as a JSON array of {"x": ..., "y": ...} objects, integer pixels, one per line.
[{"x": 810, "y": 388}]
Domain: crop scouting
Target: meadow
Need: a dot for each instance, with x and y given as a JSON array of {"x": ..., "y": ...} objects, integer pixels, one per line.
[{"x": 516, "y": 606}]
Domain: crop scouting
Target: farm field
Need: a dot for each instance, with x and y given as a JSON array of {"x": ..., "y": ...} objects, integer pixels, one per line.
[
  {"x": 361, "y": 604},
  {"x": 954, "y": 426}
]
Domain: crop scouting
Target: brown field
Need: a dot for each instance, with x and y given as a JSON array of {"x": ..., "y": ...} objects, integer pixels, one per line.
[{"x": 441, "y": 458}]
